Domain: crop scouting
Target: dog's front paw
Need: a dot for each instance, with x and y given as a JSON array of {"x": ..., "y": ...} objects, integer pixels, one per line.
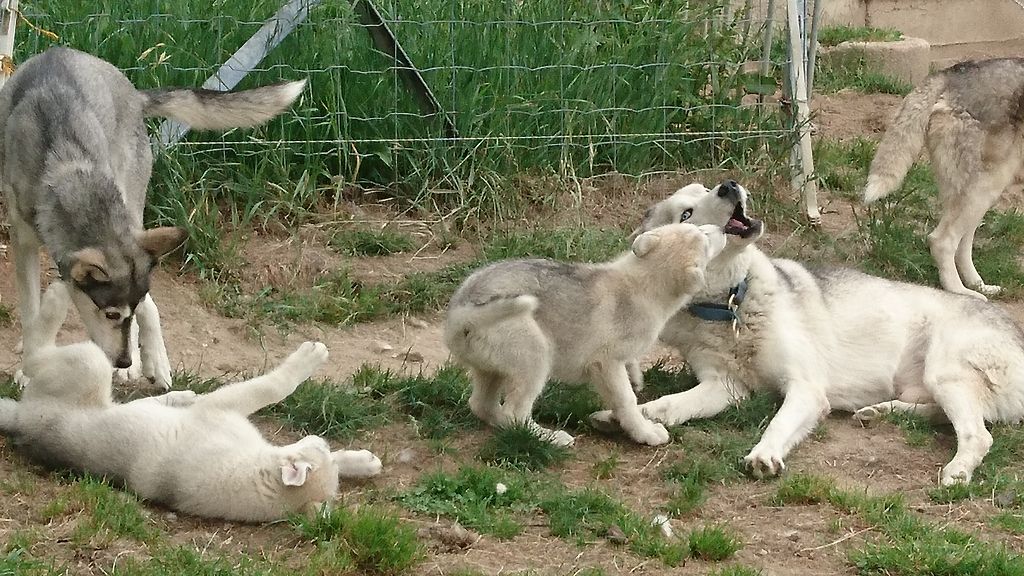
[
  {"x": 20, "y": 379},
  {"x": 867, "y": 414},
  {"x": 955, "y": 474},
  {"x": 305, "y": 361},
  {"x": 358, "y": 464},
  {"x": 156, "y": 367},
  {"x": 605, "y": 421},
  {"x": 988, "y": 289},
  {"x": 650, "y": 433},
  {"x": 764, "y": 462},
  {"x": 559, "y": 438}
]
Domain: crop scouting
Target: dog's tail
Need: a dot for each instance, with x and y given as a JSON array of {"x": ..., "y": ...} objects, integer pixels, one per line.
[
  {"x": 212, "y": 110},
  {"x": 491, "y": 311},
  {"x": 903, "y": 140}
]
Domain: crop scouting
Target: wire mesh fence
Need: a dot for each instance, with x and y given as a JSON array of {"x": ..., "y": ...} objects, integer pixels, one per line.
[{"x": 572, "y": 87}]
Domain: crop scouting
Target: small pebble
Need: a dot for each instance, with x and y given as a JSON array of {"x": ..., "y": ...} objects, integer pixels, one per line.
[
  {"x": 405, "y": 456},
  {"x": 500, "y": 488},
  {"x": 615, "y": 535},
  {"x": 380, "y": 346},
  {"x": 663, "y": 524},
  {"x": 416, "y": 322},
  {"x": 413, "y": 357}
]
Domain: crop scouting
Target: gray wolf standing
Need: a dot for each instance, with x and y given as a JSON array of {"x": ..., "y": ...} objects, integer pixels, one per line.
[
  {"x": 196, "y": 454},
  {"x": 517, "y": 323},
  {"x": 832, "y": 339},
  {"x": 75, "y": 162},
  {"x": 971, "y": 115}
]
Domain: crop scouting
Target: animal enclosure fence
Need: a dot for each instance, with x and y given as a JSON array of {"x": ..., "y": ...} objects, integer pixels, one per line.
[{"x": 575, "y": 88}]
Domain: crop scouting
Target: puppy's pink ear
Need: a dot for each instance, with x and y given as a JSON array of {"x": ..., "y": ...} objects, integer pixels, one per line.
[
  {"x": 294, "y": 473},
  {"x": 644, "y": 243}
]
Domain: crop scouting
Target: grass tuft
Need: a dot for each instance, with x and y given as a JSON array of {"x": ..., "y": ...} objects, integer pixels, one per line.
[
  {"x": 374, "y": 540},
  {"x": 713, "y": 543},
  {"x": 370, "y": 242},
  {"x": 802, "y": 489},
  {"x": 519, "y": 446},
  {"x": 472, "y": 496},
  {"x": 833, "y": 35},
  {"x": 566, "y": 406},
  {"x": 324, "y": 408},
  {"x": 440, "y": 403},
  {"x": 590, "y": 512},
  {"x": 108, "y": 513}
]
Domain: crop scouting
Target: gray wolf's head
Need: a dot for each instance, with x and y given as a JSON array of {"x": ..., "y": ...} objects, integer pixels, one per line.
[
  {"x": 110, "y": 279},
  {"x": 724, "y": 206}
]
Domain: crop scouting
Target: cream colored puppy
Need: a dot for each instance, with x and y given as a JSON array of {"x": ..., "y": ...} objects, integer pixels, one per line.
[
  {"x": 518, "y": 323},
  {"x": 197, "y": 454}
]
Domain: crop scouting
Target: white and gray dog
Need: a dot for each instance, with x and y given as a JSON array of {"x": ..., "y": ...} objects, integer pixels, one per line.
[
  {"x": 831, "y": 339},
  {"x": 75, "y": 162}
]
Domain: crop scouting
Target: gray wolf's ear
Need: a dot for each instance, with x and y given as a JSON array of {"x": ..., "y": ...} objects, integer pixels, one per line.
[
  {"x": 294, "y": 473},
  {"x": 643, "y": 224},
  {"x": 160, "y": 241},
  {"x": 644, "y": 243},
  {"x": 89, "y": 265}
]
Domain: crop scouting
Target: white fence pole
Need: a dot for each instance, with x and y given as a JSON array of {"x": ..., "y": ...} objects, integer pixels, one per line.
[
  {"x": 246, "y": 58},
  {"x": 803, "y": 170},
  {"x": 8, "y": 19}
]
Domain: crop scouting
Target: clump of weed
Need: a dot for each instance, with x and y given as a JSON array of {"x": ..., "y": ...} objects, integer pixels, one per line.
[
  {"x": 373, "y": 540},
  {"x": 6, "y": 316},
  {"x": 8, "y": 387},
  {"x": 713, "y": 543},
  {"x": 590, "y": 512},
  {"x": 482, "y": 498},
  {"x": 326, "y": 409},
  {"x": 108, "y": 513},
  {"x": 520, "y": 446},
  {"x": 834, "y": 35},
  {"x": 605, "y": 468},
  {"x": 370, "y": 242},
  {"x": 183, "y": 560},
  {"x": 563, "y": 244},
  {"x": 439, "y": 403},
  {"x": 802, "y": 489},
  {"x": 566, "y": 406}
]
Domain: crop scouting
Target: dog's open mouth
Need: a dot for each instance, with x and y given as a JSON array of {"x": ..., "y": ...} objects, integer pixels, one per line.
[{"x": 740, "y": 225}]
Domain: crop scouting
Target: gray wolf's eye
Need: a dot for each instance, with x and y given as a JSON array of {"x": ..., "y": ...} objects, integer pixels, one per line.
[
  {"x": 686, "y": 215},
  {"x": 112, "y": 315}
]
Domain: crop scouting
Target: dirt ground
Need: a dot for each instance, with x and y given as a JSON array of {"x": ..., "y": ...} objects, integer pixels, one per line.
[{"x": 786, "y": 540}]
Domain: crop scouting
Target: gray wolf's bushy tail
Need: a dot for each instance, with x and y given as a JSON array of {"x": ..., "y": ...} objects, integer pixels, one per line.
[
  {"x": 903, "y": 140},
  {"x": 492, "y": 311},
  {"x": 212, "y": 110}
]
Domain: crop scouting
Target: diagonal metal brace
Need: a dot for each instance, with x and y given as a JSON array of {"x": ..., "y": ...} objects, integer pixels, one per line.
[{"x": 385, "y": 41}]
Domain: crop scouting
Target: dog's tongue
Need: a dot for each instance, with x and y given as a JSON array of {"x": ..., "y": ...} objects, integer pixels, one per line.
[{"x": 734, "y": 223}]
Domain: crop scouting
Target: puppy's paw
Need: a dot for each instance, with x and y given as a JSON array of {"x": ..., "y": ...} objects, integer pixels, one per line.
[
  {"x": 605, "y": 421},
  {"x": 955, "y": 474},
  {"x": 650, "y": 433},
  {"x": 764, "y": 462},
  {"x": 559, "y": 438},
  {"x": 358, "y": 464},
  {"x": 664, "y": 412},
  {"x": 180, "y": 398},
  {"x": 156, "y": 367},
  {"x": 305, "y": 361},
  {"x": 988, "y": 289},
  {"x": 867, "y": 414},
  {"x": 20, "y": 379}
]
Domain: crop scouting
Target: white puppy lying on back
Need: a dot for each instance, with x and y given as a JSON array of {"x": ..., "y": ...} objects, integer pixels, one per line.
[{"x": 197, "y": 454}]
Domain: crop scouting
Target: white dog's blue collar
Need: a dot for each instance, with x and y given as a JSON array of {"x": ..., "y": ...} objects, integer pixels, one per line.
[{"x": 721, "y": 312}]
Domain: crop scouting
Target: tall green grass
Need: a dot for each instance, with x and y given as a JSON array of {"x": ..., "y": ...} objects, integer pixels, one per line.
[{"x": 571, "y": 87}]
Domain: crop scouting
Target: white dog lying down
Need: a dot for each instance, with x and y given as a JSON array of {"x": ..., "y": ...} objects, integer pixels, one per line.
[
  {"x": 195, "y": 454},
  {"x": 517, "y": 323},
  {"x": 833, "y": 339}
]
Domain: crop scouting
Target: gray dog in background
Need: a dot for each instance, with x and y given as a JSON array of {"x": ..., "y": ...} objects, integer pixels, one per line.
[
  {"x": 75, "y": 162},
  {"x": 971, "y": 116},
  {"x": 517, "y": 323}
]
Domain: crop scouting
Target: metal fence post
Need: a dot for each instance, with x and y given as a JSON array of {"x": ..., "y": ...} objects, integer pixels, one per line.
[
  {"x": 8, "y": 19},
  {"x": 803, "y": 170}
]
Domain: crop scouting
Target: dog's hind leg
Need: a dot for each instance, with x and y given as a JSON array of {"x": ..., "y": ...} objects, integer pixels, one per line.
[
  {"x": 153, "y": 353},
  {"x": 612, "y": 382},
  {"x": 251, "y": 395},
  {"x": 521, "y": 391},
  {"x": 968, "y": 189},
  {"x": 356, "y": 463},
  {"x": 973, "y": 440},
  {"x": 927, "y": 410},
  {"x": 485, "y": 401}
]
